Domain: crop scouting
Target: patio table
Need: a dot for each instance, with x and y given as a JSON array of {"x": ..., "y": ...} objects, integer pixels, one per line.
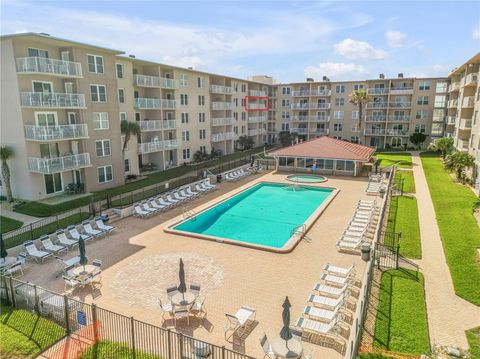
[
  {"x": 280, "y": 348},
  {"x": 82, "y": 273},
  {"x": 183, "y": 299}
]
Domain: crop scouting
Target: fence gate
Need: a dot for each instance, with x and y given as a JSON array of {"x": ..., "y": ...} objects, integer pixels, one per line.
[{"x": 385, "y": 256}]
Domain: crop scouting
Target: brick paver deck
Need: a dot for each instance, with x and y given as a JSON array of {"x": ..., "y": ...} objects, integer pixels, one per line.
[{"x": 448, "y": 315}]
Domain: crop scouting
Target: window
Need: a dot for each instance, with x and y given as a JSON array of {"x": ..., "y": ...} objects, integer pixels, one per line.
[
  {"x": 235, "y": 129},
  {"x": 202, "y": 134},
  {"x": 354, "y": 115},
  {"x": 123, "y": 116},
  {"x": 338, "y": 127},
  {"x": 286, "y": 90},
  {"x": 285, "y": 114},
  {"x": 203, "y": 148},
  {"x": 441, "y": 87},
  {"x": 354, "y": 139},
  {"x": 244, "y": 116},
  {"x": 98, "y": 93},
  {"x": 121, "y": 95},
  {"x": 235, "y": 116},
  {"x": 184, "y": 117},
  {"x": 339, "y": 101},
  {"x": 37, "y": 53},
  {"x": 186, "y": 153},
  {"x": 185, "y": 136},
  {"x": 243, "y": 129},
  {"x": 201, "y": 82},
  {"x": 201, "y": 117},
  {"x": 122, "y": 141},
  {"x": 422, "y": 100},
  {"x": 95, "y": 64},
  {"x": 138, "y": 117},
  {"x": 201, "y": 100},
  {"x": 357, "y": 87},
  {"x": 119, "y": 71},
  {"x": 344, "y": 165},
  {"x": 103, "y": 148},
  {"x": 183, "y": 99},
  {"x": 105, "y": 174},
  {"x": 285, "y": 127},
  {"x": 421, "y": 114},
  {"x": 53, "y": 183},
  {"x": 424, "y": 86},
  {"x": 126, "y": 165},
  {"x": 183, "y": 81},
  {"x": 40, "y": 86},
  {"x": 354, "y": 127},
  {"x": 285, "y": 103},
  {"x": 235, "y": 102},
  {"x": 235, "y": 87},
  {"x": 244, "y": 88},
  {"x": 243, "y": 102},
  {"x": 340, "y": 89},
  {"x": 100, "y": 121},
  {"x": 46, "y": 118},
  {"x": 419, "y": 128},
  {"x": 440, "y": 101},
  {"x": 338, "y": 115}
]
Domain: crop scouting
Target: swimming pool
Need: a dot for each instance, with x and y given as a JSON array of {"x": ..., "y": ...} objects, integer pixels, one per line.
[
  {"x": 307, "y": 178},
  {"x": 262, "y": 216}
]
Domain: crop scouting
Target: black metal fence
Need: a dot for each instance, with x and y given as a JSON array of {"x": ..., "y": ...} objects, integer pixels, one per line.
[{"x": 97, "y": 329}]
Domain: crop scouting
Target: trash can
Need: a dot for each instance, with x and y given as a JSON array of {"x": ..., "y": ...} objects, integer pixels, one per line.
[
  {"x": 365, "y": 251},
  {"x": 219, "y": 178}
]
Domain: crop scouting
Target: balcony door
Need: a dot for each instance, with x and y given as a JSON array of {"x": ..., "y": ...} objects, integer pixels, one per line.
[
  {"x": 37, "y": 53},
  {"x": 47, "y": 119},
  {"x": 44, "y": 87},
  {"x": 49, "y": 150},
  {"x": 53, "y": 183}
]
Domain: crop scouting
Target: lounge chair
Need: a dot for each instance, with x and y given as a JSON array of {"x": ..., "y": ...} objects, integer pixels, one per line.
[
  {"x": 179, "y": 197},
  {"x": 231, "y": 177},
  {"x": 316, "y": 327},
  {"x": 50, "y": 247},
  {"x": 139, "y": 212},
  {"x": 33, "y": 252},
  {"x": 200, "y": 189},
  {"x": 164, "y": 203},
  {"x": 73, "y": 232},
  {"x": 323, "y": 315},
  {"x": 146, "y": 207},
  {"x": 340, "y": 271},
  {"x": 184, "y": 193},
  {"x": 203, "y": 185},
  {"x": 155, "y": 205},
  {"x": 334, "y": 280},
  {"x": 353, "y": 233},
  {"x": 91, "y": 231},
  {"x": 331, "y": 291},
  {"x": 189, "y": 191},
  {"x": 102, "y": 226},
  {"x": 326, "y": 302},
  {"x": 16, "y": 267},
  {"x": 266, "y": 347},
  {"x": 173, "y": 200},
  {"x": 343, "y": 246},
  {"x": 62, "y": 239},
  {"x": 208, "y": 184}
]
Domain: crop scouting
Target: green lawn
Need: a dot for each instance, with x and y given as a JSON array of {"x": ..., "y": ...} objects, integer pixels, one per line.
[
  {"x": 473, "y": 337},
  {"x": 402, "y": 307},
  {"x": 106, "y": 349},
  {"x": 9, "y": 224},
  {"x": 458, "y": 228},
  {"x": 400, "y": 159},
  {"x": 47, "y": 229},
  {"x": 38, "y": 209},
  {"x": 23, "y": 334},
  {"x": 408, "y": 182},
  {"x": 403, "y": 217}
]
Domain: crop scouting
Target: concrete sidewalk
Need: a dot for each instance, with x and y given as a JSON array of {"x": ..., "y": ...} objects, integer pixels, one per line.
[
  {"x": 5, "y": 211},
  {"x": 448, "y": 315}
]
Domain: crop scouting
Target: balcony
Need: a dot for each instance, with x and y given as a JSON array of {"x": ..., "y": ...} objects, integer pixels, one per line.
[
  {"x": 157, "y": 125},
  {"x": 155, "y": 81},
  {"x": 395, "y": 132},
  {"x": 377, "y": 91},
  {"x": 319, "y": 105},
  {"x": 319, "y": 131},
  {"x": 375, "y": 118},
  {"x": 451, "y": 120},
  {"x": 154, "y": 104},
  {"x": 462, "y": 145},
  {"x": 320, "y": 93},
  {"x": 299, "y": 130},
  {"x": 257, "y": 119},
  {"x": 218, "y": 137},
  {"x": 41, "y": 65},
  {"x": 452, "y": 103},
  {"x": 471, "y": 79},
  {"x": 403, "y": 104},
  {"x": 398, "y": 118},
  {"x": 222, "y": 121},
  {"x": 157, "y": 146},
  {"x": 257, "y": 131},
  {"x": 454, "y": 86},
  {"x": 58, "y": 164},
  {"x": 468, "y": 102},
  {"x": 53, "y": 100},
  {"x": 55, "y": 133},
  {"x": 221, "y": 105},
  {"x": 319, "y": 118},
  {"x": 300, "y": 118},
  {"x": 440, "y": 119},
  {"x": 376, "y": 105},
  {"x": 226, "y": 90},
  {"x": 374, "y": 131},
  {"x": 401, "y": 90},
  {"x": 256, "y": 93},
  {"x": 257, "y": 106},
  {"x": 465, "y": 124}
]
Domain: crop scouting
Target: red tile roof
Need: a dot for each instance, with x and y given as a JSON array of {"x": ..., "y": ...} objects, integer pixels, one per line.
[{"x": 326, "y": 147}]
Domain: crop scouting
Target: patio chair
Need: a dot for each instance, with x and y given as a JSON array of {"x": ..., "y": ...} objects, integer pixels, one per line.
[
  {"x": 70, "y": 282},
  {"x": 16, "y": 267},
  {"x": 239, "y": 320},
  {"x": 139, "y": 212},
  {"x": 195, "y": 288},
  {"x": 50, "y": 247},
  {"x": 62, "y": 239},
  {"x": 308, "y": 355},
  {"x": 73, "y": 232},
  {"x": 102, "y": 226},
  {"x": 181, "y": 314},
  {"x": 167, "y": 308},
  {"x": 91, "y": 231},
  {"x": 33, "y": 252},
  {"x": 197, "y": 308},
  {"x": 171, "y": 291},
  {"x": 266, "y": 347}
]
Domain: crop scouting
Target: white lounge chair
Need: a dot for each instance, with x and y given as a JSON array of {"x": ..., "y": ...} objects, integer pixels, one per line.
[
  {"x": 331, "y": 291},
  {"x": 231, "y": 177},
  {"x": 33, "y": 252},
  {"x": 73, "y": 232},
  {"x": 139, "y": 212},
  {"x": 316, "y": 327},
  {"x": 179, "y": 197},
  {"x": 183, "y": 192},
  {"x": 50, "y": 247},
  {"x": 353, "y": 233},
  {"x": 334, "y": 280},
  {"x": 155, "y": 205},
  {"x": 340, "y": 271},
  {"x": 91, "y": 231},
  {"x": 326, "y": 302},
  {"x": 344, "y": 246},
  {"x": 146, "y": 207},
  {"x": 102, "y": 226},
  {"x": 164, "y": 203},
  {"x": 200, "y": 188},
  {"x": 189, "y": 191},
  {"x": 208, "y": 184},
  {"x": 62, "y": 239},
  {"x": 323, "y": 315}
]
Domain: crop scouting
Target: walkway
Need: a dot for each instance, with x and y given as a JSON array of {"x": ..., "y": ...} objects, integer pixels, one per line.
[
  {"x": 448, "y": 315},
  {"x": 6, "y": 212}
]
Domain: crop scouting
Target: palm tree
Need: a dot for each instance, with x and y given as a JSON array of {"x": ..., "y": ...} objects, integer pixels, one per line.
[
  {"x": 5, "y": 153},
  {"x": 360, "y": 98},
  {"x": 458, "y": 162},
  {"x": 444, "y": 145},
  {"x": 128, "y": 129}
]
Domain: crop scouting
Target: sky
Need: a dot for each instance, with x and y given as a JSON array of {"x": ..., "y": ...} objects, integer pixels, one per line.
[{"x": 289, "y": 40}]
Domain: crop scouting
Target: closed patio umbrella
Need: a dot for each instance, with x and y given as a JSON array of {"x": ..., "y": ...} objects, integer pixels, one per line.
[
  {"x": 83, "y": 254},
  {"x": 286, "y": 333},
  {"x": 182, "y": 287},
  {"x": 3, "y": 250}
]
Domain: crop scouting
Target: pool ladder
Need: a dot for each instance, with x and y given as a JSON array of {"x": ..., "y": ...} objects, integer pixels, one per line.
[
  {"x": 300, "y": 231},
  {"x": 189, "y": 213}
]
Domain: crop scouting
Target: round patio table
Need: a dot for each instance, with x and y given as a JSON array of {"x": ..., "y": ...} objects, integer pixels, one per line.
[
  {"x": 183, "y": 299},
  {"x": 82, "y": 273},
  {"x": 294, "y": 350}
]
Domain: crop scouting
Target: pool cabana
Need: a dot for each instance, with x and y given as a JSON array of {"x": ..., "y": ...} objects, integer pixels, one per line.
[{"x": 324, "y": 155}]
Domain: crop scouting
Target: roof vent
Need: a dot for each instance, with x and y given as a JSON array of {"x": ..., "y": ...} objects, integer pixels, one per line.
[
  {"x": 132, "y": 56},
  {"x": 309, "y": 79},
  {"x": 400, "y": 75},
  {"x": 381, "y": 76},
  {"x": 44, "y": 34},
  {"x": 325, "y": 78},
  {"x": 190, "y": 67}
]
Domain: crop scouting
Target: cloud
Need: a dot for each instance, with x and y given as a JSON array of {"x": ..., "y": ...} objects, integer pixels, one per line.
[
  {"x": 336, "y": 71},
  {"x": 476, "y": 32},
  {"x": 359, "y": 50},
  {"x": 396, "y": 39}
]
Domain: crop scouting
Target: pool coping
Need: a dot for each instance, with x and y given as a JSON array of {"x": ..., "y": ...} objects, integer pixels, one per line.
[
  {"x": 286, "y": 248},
  {"x": 325, "y": 179}
]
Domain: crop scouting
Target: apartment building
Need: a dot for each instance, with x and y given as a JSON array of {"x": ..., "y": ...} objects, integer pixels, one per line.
[{"x": 463, "y": 112}]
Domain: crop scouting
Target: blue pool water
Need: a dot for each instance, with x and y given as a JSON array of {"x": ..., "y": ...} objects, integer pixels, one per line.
[{"x": 264, "y": 214}]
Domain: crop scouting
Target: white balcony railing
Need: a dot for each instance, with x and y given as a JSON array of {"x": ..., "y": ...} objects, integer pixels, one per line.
[
  {"x": 320, "y": 118},
  {"x": 257, "y": 106},
  {"x": 52, "y": 100},
  {"x": 452, "y": 103},
  {"x": 218, "y": 137},
  {"x": 56, "y": 133},
  {"x": 157, "y": 146},
  {"x": 156, "y": 125},
  {"x": 155, "y": 104},
  {"x": 398, "y": 118},
  {"x": 222, "y": 121},
  {"x": 400, "y": 90},
  {"x": 374, "y": 131},
  {"x": 399, "y": 104},
  {"x": 451, "y": 120},
  {"x": 320, "y": 92},
  {"x": 58, "y": 164},
  {"x": 471, "y": 79},
  {"x": 257, "y": 119},
  {"x": 306, "y": 105},
  {"x": 49, "y": 66},
  {"x": 221, "y": 89},
  {"x": 319, "y": 131},
  {"x": 375, "y": 118},
  {"x": 376, "y": 105},
  {"x": 299, "y": 130},
  {"x": 216, "y": 105},
  {"x": 468, "y": 102},
  {"x": 256, "y": 93},
  {"x": 168, "y": 104},
  {"x": 155, "y": 81},
  {"x": 465, "y": 124},
  {"x": 377, "y": 91},
  {"x": 257, "y": 131},
  {"x": 396, "y": 132},
  {"x": 454, "y": 86}
]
